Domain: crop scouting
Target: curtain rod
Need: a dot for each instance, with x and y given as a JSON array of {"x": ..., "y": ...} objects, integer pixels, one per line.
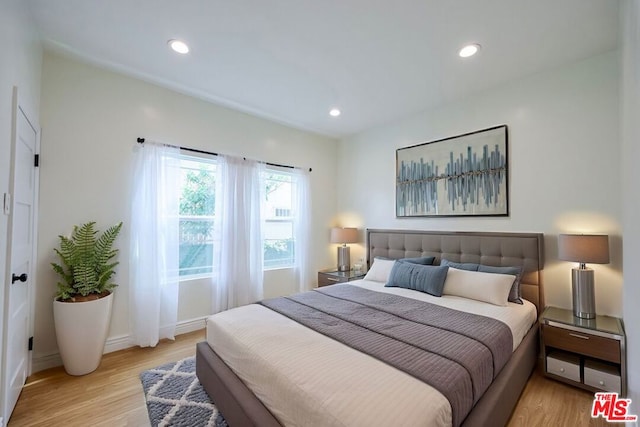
[{"x": 193, "y": 150}]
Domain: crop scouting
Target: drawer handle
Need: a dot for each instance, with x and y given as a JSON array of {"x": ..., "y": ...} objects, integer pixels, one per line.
[
  {"x": 601, "y": 382},
  {"x": 332, "y": 279},
  {"x": 579, "y": 336},
  {"x": 561, "y": 369}
]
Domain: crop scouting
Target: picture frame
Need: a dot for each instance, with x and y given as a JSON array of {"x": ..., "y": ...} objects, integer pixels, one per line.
[{"x": 463, "y": 175}]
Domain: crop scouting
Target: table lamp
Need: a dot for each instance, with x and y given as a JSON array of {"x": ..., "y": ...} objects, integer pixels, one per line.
[
  {"x": 344, "y": 236},
  {"x": 583, "y": 248}
]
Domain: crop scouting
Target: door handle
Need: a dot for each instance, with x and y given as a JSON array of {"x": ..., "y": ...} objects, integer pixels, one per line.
[{"x": 15, "y": 278}]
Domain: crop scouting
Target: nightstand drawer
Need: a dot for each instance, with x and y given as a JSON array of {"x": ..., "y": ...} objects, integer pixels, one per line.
[
  {"x": 326, "y": 280},
  {"x": 564, "y": 365},
  {"x": 602, "y": 376},
  {"x": 583, "y": 343},
  {"x": 331, "y": 277}
]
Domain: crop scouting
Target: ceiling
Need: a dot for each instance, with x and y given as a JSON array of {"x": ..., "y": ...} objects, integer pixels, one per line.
[{"x": 291, "y": 61}]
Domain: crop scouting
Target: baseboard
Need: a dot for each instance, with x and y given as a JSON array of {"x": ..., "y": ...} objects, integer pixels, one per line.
[
  {"x": 192, "y": 325},
  {"x": 45, "y": 362},
  {"x": 117, "y": 343},
  {"x": 114, "y": 344}
]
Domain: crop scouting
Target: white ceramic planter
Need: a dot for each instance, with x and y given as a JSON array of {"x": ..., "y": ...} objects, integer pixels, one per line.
[{"x": 81, "y": 330}]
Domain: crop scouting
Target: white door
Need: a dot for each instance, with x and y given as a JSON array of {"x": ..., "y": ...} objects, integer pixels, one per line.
[{"x": 20, "y": 259}]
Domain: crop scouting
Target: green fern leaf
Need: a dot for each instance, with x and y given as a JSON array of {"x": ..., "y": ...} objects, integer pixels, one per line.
[
  {"x": 68, "y": 278},
  {"x": 103, "y": 251}
]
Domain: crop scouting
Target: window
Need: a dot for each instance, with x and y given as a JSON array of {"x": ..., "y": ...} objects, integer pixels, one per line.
[
  {"x": 278, "y": 228},
  {"x": 197, "y": 206},
  {"x": 197, "y": 212}
]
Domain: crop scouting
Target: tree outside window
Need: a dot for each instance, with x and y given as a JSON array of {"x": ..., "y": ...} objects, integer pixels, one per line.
[{"x": 197, "y": 211}]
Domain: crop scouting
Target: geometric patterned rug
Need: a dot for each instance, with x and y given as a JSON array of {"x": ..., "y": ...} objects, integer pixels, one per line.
[{"x": 175, "y": 397}]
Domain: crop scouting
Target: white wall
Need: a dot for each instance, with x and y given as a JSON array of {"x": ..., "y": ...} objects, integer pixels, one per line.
[
  {"x": 630, "y": 90},
  {"x": 564, "y": 149},
  {"x": 91, "y": 118}
]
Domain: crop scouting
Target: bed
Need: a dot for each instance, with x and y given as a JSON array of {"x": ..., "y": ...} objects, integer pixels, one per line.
[{"x": 236, "y": 397}]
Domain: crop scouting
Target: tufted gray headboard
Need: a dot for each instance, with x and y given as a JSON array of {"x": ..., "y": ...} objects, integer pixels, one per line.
[{"x": 498, "y": 249}]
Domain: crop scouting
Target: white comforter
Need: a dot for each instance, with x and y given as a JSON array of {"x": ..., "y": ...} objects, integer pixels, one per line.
[{"x": 307, "y": 379}]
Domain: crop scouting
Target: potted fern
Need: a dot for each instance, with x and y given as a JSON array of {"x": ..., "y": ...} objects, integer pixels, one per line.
[{"x": 82, "y": 306}]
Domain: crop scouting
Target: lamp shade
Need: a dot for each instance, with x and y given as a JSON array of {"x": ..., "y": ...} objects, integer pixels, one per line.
[
  {"x": 344, "y": 235},
  {"x": 584, "y": 248}
]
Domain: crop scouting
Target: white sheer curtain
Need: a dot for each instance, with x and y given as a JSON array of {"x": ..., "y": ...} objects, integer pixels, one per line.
[
  {"x": 301, "y": 227},
  {"x": 238, "y": 239},
  {"x": 154, "y": 252}
]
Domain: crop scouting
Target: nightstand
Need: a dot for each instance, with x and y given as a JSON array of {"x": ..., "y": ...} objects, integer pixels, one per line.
[
  {"x": 586, "y": 353},
  {"x": 331, "y": 276}
]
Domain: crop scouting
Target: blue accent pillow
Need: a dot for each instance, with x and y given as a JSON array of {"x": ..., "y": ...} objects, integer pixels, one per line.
[
  {"x": 514, "y": 293},
  {"x": 424, "y": 278}
]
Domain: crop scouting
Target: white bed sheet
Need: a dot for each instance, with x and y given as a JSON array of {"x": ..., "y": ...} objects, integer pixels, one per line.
[{"x": 307, "y": 379}]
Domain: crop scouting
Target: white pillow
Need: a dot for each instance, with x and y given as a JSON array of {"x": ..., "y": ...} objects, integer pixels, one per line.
[
  {"x": 488, "y": 287},
  {"x": 380, "y": 270}
]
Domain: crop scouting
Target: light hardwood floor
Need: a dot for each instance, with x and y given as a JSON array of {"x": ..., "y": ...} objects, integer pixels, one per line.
[
  {"x": 549, "y": 403},
  {"x": 112, "y": 395}
]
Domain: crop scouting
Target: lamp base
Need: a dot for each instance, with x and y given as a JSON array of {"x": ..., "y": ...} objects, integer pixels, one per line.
[
  {"x": 584, "y": 299},
  {"x": 344, "y": 263}
]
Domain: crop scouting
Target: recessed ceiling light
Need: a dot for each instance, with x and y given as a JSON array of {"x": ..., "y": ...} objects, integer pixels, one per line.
[
  {"x": 178, "y": 46},
  {"x": 334, "y": 112},
  {"x": 469, "y": 50}
]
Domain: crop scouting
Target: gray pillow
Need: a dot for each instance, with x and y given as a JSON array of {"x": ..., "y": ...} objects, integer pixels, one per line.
[
  {"x": 424, "y": 260},
  {"x": 423, "y": 278},
  {"x": 469, "y": 266},
  {"x": 514, "y": 293}
]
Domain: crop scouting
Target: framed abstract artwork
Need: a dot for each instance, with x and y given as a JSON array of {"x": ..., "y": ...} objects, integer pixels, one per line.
[{"x": 463, "y": 175}]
